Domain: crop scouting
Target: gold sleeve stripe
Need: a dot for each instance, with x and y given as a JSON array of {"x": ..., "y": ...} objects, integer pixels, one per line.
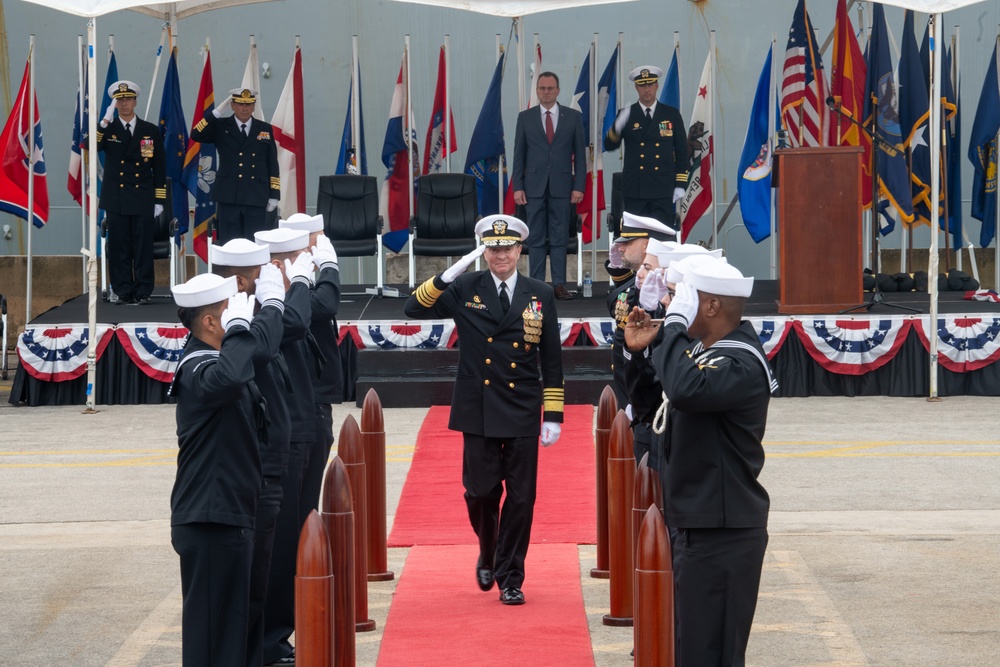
[
  {"x": 552, "y": 406},
  {"x": 201, "y": 125},
  {"x": 160, "y": 193},
  {"x": 427, "y": 294},
  {"x": 100, "y": 135},
  {"x": 682, "y": 178},
  {"x": 553, "y": 392}
]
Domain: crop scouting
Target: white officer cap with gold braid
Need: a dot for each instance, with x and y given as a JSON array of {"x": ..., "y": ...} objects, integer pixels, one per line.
[
  {"x": 303, "y": 221},
  {"x": 240, "y": 252},
  {"x": 282, "y": 240},
  {"x": 640, "y": 227},
  {"x": 203, "y": 290},
  {"x": 123, "y": 89},
  {"x": 501, "y": 230},
  {"x": 243, "y": 95},
  {"x": 645, "y": 74}
]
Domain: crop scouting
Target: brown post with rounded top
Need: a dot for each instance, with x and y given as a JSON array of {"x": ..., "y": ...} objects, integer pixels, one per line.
[
  {"x": 314, "y": 596},
  {"x": 606, "y": 409},
  {"x": 373, "y": 442},
  {"x": 654, "y": 591},
  {"x": 337, "y": 512},
  {"x": 621, "y": 476},
  {"x": 646, "y": 491},
  {"x": 351, "y": 453}
]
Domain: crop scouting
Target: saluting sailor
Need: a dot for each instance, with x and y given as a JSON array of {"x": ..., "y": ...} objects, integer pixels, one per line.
[
  {"x": 247, "y": 185},
  {"x": 655, "y": 173},
  {"x": 508, "y": 330}
]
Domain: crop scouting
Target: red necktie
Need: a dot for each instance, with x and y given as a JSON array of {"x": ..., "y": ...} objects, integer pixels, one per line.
[{"x": 550, "y": 131}]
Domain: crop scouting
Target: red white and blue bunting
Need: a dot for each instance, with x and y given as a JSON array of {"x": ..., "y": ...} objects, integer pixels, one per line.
[
  {"x": 964, "y": 343},
  {"x": 599, "y": 330},
  {"x": 771, "y": 332},
  {"x": 391, "y": 335},
  {"x": 852, "y": 346},
  {"x": 155, "y": 348},
  {"x": 59, "y": 353}
]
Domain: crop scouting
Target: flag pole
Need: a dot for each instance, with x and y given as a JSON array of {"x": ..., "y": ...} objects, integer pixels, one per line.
[
  {"x": 90, "y": 252},
  {"x": 935, "y": 137},
  {"x": 447, "y": 107},
  {"x": 677, "y": 56},
  {"x": 355, "y": 125},
  {"x": 594, "y": 153},
  {"x": 772, "y": 94},
  {"x": 31, "y": 165},
  {"x": 519, "y": 35},
  {"x": 955, "y": 89},
  {"x": 619, "y": 101},
  {"x": 409, "y": 149},
  {"x": 83, "y": 154},
  {"x": 156, "y": 69},
  {"x": 715, "y": 145},
  {"x": 105, "y": 287},
  {"x": 500, "y": 192},
  {"x": 996, "y": 219}
]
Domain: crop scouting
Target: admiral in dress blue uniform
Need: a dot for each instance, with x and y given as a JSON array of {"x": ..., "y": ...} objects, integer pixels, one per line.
[
  {"x": 507, "y": 330},
  {"x": 655, "y": 173},
  {"x": 247, "y": 185},
  {"x": 134, "y": 191}
]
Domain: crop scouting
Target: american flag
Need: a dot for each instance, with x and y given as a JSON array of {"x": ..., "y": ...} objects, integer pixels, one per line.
[{"x": 803, "y": 89}]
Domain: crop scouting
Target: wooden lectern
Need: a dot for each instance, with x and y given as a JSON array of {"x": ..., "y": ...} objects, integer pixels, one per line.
[{"x": 819, "y": 223}]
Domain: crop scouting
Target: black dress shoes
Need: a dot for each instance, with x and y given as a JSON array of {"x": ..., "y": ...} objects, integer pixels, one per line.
[
  {"x": 562, "y": 293},
  {"x": 512, "y": 596},
  {"x": 144, "y": 300},
  {"x": 484, "y": 576}
]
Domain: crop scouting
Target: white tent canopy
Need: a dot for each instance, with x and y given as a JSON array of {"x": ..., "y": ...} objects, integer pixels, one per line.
[
  {"x": 931, "y": 6},
  {"x": 511, "y": 9},
  {"x": 164, "y": 10}
]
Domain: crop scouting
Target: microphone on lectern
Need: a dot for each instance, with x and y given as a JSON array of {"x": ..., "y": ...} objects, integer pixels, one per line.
[{"x": 830, "y": 102}]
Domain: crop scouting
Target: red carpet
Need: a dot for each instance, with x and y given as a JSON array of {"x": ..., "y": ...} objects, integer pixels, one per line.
[
  {"x": 432, "y": 508},
  {"x": 439, "y": 616}
]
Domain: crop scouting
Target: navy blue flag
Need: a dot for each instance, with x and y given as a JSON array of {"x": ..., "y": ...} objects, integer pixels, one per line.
[
  {"x": 174, "y": 130},
  {"x": 983, "y": 154},
  {"x": 607, "y": 93},
  {"x": 347, "y": 162},
  {"x": 486, "y": 158},
  {"x": 671, "y": 93},
  {"x": 914, "y": 119},
  {"x": 581, "y": 96},
  {"x": 753, "y": 185},
  {"x": 881, "y": 110},
  {"x": 953, "y": 150}
]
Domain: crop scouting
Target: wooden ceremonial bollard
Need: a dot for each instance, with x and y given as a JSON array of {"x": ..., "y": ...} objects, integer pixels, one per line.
[
  {"x": 646, "y": 491},
  {"x": 373, "y": 442},
  {"x": 337, "y": 512},
  {"x": 351, "y": 453},
  {"x": 621, "y": 476},
  {"x": 654, "y": 592},
  {"x": 606, "y": 409},
  {"x": 314, "y": 599}
]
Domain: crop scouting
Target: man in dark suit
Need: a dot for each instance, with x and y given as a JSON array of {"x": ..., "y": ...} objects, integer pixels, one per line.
[
  {"x": 508, "y": 330},
  {"x": 247, "y": 186},
  {"x": 655, "y": 173},
  {"x": 550, "y": 171},
  {"x": 134, "y": 190}
]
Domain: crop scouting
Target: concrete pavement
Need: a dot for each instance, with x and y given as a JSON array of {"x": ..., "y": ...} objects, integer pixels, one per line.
[{"x": 884, "y": 550}]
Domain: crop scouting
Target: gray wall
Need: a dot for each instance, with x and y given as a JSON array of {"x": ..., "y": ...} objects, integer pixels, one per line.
[{"x": 743, "y": 30}]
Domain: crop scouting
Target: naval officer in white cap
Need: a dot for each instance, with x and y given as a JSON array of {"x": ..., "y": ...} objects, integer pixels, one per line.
[{"x": 655, "y": 173}]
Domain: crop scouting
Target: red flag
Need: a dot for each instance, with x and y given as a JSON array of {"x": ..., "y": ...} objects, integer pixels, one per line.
[
  {"x": 847, "y": 86},
  {"x": 200, "y": 164},
  {"x": 585, "y": 207},
  {"x": 289, "y": 126},
  {"x": 16, "y": 164},
  {"x": 434, "y": 148}
]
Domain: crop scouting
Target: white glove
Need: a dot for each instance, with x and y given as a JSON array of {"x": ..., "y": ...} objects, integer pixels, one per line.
[
  {"x": 301, "y": 269},
  {"x": 616, "y": 256},
  {"x": 323, "y": 253},
  {"x": 621, "y": 120},
  {"x": 157, "y": 210},
  {"x": 684, "y": 303},
  {"x": 550, "y": 433},
  {"x": 239, "y": 311},
  {"x": 224, "y": 107},
  {"x": 654, "y": 288},
  {"x": 459, "y": 267},
  {"x": 270, "y": 284},
  {"x": 678, "y": 194},
  {"x": 272, "y": 204},
  {"x": 109, "y": 115}
]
